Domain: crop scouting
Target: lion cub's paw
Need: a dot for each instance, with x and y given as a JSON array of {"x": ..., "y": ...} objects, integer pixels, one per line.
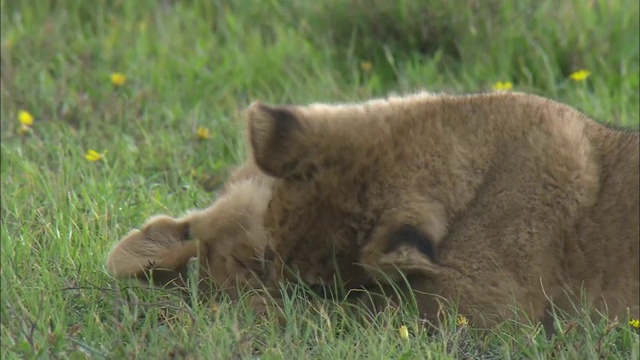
[{"x": 163, "y": 245}]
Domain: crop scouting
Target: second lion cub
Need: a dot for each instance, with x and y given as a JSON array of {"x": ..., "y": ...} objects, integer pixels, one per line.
[{"x": 227, "y": 238}]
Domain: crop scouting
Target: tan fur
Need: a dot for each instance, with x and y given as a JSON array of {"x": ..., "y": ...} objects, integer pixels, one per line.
[
  {"x": 486, "y": 200},
  {"x": 228, "y": 238}
]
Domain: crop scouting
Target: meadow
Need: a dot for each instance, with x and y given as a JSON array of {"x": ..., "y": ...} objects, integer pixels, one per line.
[{"x": 113, "y": 111}]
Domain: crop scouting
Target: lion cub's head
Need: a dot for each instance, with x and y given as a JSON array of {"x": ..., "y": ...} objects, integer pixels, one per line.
[{"x": 343, "y": 208}]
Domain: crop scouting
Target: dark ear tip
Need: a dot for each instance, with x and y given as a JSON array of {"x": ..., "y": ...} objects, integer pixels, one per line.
[
  {"x": 260, "y": 120},
  {"x": 284, "y": 119},
  {"x": 260, "y": 110},
  {"x": 186, "y": 231},
  {"x": 412, "y": 236},
  {"x": 281, "y": 117},
  {"x": 259, "y": 105},
  {"x": 272, "y": 135},
  {"x": 256, "y": 106}
]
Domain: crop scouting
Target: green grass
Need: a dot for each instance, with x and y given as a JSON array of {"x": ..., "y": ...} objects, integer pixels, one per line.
[{"x": 199, "y": 63}]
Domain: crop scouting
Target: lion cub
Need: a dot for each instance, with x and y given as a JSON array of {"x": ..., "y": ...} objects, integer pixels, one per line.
[
  {"x": 228, "y": 238},
  {"x": 486, "y": 201}
]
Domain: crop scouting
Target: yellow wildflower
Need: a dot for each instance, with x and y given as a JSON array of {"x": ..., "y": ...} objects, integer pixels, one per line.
[
  {"x": 203, "y": 133},
  {"x": 118, "y": 79},
  {"x": 94, "y": 156},
  {"x": 25, "y": 118},
  {"x": 462, "y": 320},
  {"x": 635, "y": 323},
  {"x": 404, "y": 332},
  {"x": 366, "y": 66},
  {"x": 214, "y": 307},
  {"x": 8, "y": 44},
  {"x": 142, "y": 26},
  {"x": 502, "y": 86},
  {"x": 580, "y": 75},
  {"x": 24, "y": 129}
]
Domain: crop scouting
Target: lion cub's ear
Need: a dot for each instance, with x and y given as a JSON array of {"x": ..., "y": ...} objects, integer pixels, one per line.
[
  {"x": 407, "y": 239},
  {"x": 277, "y": 137},
  {"x": 162, "y": 245},
  {"x": 400, "y": 249}
]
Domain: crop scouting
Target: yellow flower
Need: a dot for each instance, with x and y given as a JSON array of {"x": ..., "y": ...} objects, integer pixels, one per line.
[
  {"x": 503, "y": 86},
  {"x": 25, "y": 118},
  {"x": 580, "y": 75},
  {"x": 462, "y": 320},
  {"x": 203, "y": 133},
  {"x": 24, "y": 130},
  {"x": 214, "y": 307},
  {"x": 118, "y": 79},
  {"x": 404, "y": 332},
  {"x": 94, "y": 156},
  {"x": 366, "y": 66},
  {"x": 8, "y": 44},
  {"x": 635, "y": 323}
]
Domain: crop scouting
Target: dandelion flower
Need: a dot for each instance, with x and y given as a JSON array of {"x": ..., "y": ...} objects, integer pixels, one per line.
[
  {"x": 366, "y": 66},
  {"x": 404, "y": 332},
  {"x": 94, "y": 156},
  {"x": 635, "y": 323},
  {"x": 25, "y": 118},
  {"x": 214, "y": 307},
  {"x": 502, "y": 86},
  {"x": 118, "y": 79},
  {"x": 8, "y": 44},
  {"x": 462, "y": 320},
  {"x": 203, "y": 133},
  {"x": 580, "y": 75}
]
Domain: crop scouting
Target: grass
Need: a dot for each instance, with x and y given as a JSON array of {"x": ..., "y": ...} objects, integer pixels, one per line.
[{"x": 198, "y": 64}]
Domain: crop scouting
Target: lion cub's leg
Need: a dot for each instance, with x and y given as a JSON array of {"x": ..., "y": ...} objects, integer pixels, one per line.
[{"x": 163, "y": 244}]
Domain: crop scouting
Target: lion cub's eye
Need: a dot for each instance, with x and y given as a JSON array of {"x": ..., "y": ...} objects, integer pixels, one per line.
[{"x": 412, "y": 236}]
